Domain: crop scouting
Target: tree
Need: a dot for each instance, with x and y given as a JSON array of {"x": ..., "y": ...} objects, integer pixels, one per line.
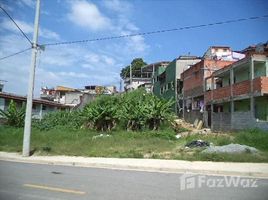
[
  {"x": 14, "y": 116},
  {"x": 137, "y": 64}
]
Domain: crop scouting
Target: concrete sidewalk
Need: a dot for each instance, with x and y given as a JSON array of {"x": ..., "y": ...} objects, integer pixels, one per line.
[{"x": 258, "y": 170}]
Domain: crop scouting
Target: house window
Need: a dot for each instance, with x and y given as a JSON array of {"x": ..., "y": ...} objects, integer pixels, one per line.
[{"x": 44, "y": 107}]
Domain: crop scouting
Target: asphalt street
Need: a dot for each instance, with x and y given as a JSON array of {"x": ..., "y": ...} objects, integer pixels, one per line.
[{"x": 39, "y": 181}]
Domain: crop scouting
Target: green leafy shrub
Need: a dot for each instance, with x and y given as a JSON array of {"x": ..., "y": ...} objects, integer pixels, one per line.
[
  {"x": 101, "y": 114},
  {"x": 132, "y": 110},
  {"x": 73, "y": 120},
  {"x": 157, "y": 111},
  {"x": 14, "y": 116},
  {"x": 139, "y": 109}
]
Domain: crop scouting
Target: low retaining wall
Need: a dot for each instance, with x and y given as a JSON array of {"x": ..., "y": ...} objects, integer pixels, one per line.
[
  {"x": 236, "y": 121},
  {"x": 245, "y": 120}
]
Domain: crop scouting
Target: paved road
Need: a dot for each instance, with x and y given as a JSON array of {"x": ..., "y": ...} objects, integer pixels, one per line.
[{"x": 34, "y": 181}]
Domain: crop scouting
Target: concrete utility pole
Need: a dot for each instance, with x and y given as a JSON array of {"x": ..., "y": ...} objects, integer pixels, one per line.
[{"x": 28, "y": 117}]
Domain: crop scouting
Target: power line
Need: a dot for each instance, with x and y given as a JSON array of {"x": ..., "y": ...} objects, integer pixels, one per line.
[
  {"x": 157, "y": 31},
  {"x": 15, "y": 53},
  {"x": 16, "y": 25}
]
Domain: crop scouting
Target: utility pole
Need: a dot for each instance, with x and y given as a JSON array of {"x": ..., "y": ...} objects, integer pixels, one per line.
[{"x": 28, "y": 117}]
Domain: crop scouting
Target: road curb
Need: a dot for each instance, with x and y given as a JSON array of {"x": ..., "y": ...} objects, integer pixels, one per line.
[{"x": 256, "y": 170}]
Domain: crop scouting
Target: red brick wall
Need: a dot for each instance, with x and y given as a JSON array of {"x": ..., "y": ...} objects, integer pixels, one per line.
[
  {"x": 264, "y": 84},
  {"x": 193, "y": 78},
  {"x": 241, "y": 88},
  {"x": 222, "y": 93},
  {"x": 261, "y": 84}
]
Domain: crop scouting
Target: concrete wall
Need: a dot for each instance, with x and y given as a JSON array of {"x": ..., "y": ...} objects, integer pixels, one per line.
[
  {"x": 221, "y": 121},
  {"x": 192, "y": 116},
  {"x": 242, "y": 105},
  {"x": 73, "y": 98},
  {"x": 183, "y": 65},
  {"x": 226, "y": 80},
  {"x": 245, "y": 120},
  {"x": 237, "y": 121},
  {"x": 241, "y": 74},
  {"x": 85, "y": 99},
  {"x": 259, "y": 69}
]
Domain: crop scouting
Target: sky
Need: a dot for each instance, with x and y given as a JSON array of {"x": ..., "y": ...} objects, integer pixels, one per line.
[{"x": 100, "y": 62}]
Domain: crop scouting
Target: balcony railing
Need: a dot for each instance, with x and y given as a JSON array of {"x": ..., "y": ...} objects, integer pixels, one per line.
[
  {"x": 260, "y": 84},
  {"x": 241, "y": 88}
]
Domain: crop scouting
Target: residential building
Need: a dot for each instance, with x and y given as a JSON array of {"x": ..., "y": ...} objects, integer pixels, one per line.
[
  {"x": 236, "y": 96},
  {"x": 40, "y": 106},
  {"x": 261, "y": 48},
  {"x": 168, "y": 83},
  {"x": 75, "y": 97},
  {"x": 222, "y": 53},
  {"x": 132, "y": 83},
  {"x": 193, "y": 87},
  {"x": 215, "y": 58},
  {"x": 153, "y": 69},
  {"x": 57, "y": 95},
  {"x": 97, "y": 89}
]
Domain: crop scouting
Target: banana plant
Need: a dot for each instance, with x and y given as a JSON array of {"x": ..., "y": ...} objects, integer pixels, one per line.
[
  {"x": 101, "y": 114},
  {"x": 14, "y": 116},
  {"x": 157, "y": 111}
]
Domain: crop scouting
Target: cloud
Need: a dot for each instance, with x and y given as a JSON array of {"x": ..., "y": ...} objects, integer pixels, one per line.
[
  {"x": 118, "y": 6},
  {"x": 28, "y": 29},
  {"x": 93, "y": 59},
  {"x": 87, "y": 15},
  {"x": 73, "y": 74},
  {"x": 29, "y": 3},
  {"x": 74, "y": 65}
]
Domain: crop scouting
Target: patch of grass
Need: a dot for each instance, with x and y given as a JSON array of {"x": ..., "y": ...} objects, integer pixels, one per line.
[
  {"x": 244, "y": 157},
  {"x": 255, "y": 138},
  {"x": 160, "y": 144},
  {"x": 11, "y": 139},
  {"x": 62, "y": 141}
]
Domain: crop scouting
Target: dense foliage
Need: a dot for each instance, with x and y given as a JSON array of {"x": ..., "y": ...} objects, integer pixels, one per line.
[
  {"x": 73, "y": 120},
  {"x": 139, "y": 109},
  {"x": 14, "y": 116},
  {"x": 136, "y": 64},
  {"x": 101, "y": 114},
  {"x": 133, "y": 111}
]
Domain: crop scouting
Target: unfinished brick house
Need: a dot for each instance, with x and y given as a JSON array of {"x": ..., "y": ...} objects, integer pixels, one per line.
[
  {"x": 194, "y": 86},
  {"x": 236, "y": 96}
]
